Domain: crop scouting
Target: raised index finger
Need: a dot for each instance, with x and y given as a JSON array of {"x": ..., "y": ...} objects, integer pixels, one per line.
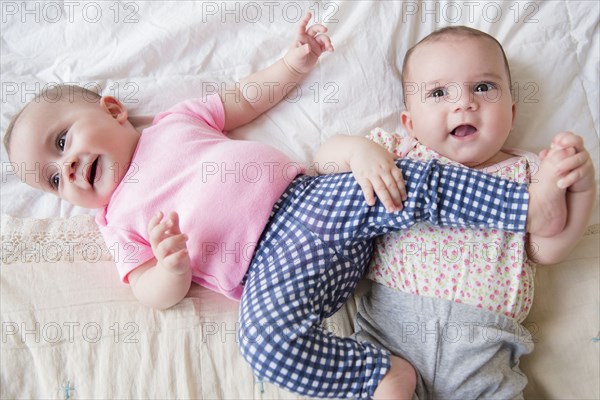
[{"x": 304, "y": 23}]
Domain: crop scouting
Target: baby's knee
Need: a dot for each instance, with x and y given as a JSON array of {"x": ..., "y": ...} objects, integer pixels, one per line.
[
  {"x": 399, "y": 382},
  {"x": 262, "y": 345}
]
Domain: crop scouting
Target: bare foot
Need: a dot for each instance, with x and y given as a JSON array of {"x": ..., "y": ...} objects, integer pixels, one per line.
[
  {"x": 399, "y": 382},
  {"x": 547, "y": 213}
]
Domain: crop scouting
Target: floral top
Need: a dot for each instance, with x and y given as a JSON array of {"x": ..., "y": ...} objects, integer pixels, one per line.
[{"x": 487, "y": 268}]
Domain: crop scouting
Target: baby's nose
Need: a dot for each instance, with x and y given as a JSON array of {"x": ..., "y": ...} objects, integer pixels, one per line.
[
  {"x": 69, "y": 170},
  {"x": 466, "y": 102}
]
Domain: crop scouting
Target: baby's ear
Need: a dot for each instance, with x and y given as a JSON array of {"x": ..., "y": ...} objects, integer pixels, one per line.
[
  {"x": 514, "y": 113},
  {"x": 114, "y": 108},
  {"x": 407, "y": 122}
]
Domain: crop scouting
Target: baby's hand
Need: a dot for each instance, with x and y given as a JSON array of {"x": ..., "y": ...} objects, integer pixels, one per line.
[
  {"x": 576, "y": 172},
  {"x": 547, "y": 202},
  {"x": 307, "y": 47},
  {"x": 168, "y": 243},
  {"x": 374, "y": 169}
]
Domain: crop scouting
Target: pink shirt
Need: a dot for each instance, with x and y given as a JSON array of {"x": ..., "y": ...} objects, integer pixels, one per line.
[{"x": 222, "y": 189}]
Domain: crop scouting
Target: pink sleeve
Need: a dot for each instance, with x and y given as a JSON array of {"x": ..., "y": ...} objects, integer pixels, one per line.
[{"x": 208, "y": 109}]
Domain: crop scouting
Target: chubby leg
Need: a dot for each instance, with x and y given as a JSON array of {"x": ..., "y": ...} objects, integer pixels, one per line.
[
  {"x": 333, "y": 207},
  {"x": 288, "y": 292},
  {"x": 399, "y": 382},
  {"x": 441, "y": 195}
]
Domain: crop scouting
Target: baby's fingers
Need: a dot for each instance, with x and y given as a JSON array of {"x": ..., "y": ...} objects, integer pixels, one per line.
[
  {"x": 154, "y": 221},
  {"x": 400, "y": 184},
  {"x": 568, "y": 139},
  {"x": 303, "y": 24},
  {"x": 389, "y": 194},
  {"x": 174, "y": 229},
  {"x": 572, "y": 162},
  {"x": 157, "y": 230},
  {"x": 570, "y": 178},
  {"x": 542, "y": 154},
  {"x": 316, "y": 29},
  {"x": 178, "y": 262},
  {"x": 367, "y": 189},
  {"x": 381, "y": 191},
  {"x": 578, "y": 176},
  {"x": 170, "y": 245},
  {"x": 325, "y": 42}
]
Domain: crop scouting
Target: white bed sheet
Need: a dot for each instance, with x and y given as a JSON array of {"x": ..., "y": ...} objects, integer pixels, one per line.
[
  {"x": 169, "y": 51},
  {"x": 153, "y": 54}
]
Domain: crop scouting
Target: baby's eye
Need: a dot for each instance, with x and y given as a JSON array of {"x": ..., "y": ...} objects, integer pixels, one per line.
[
  {"x": 437, "y": 93},
  {"x": 484, "y": 87},
  {"x": 61, "y": 140},
  {"x": 55, "y": 180}
]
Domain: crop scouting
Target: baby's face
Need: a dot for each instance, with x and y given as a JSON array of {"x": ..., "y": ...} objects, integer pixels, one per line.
[
  {"x": 78, "y": 150},
  {"x": 458, "y": 99}
]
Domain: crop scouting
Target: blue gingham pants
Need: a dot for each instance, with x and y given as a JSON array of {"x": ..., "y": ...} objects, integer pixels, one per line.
[{"x": 313, "y": 252}]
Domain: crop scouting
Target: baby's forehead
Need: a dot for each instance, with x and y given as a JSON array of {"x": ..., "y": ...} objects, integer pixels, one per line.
[
  {"x": 41, "y": 111},
  {"x": 451, "y": 40},
  {"x": 41, "y": 104},
  {"x": 423, "y": 53},
  {"x": 33, "y": 119}
]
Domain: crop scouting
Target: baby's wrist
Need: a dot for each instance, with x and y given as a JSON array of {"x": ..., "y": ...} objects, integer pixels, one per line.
[
  {"x": 170, "y": 270},
  {"x": 291, "y": 68},
  {"x": 354, "y": 149}
]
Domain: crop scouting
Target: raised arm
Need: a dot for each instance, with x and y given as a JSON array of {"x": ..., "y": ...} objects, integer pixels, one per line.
[{"x": 255, "y": 94}]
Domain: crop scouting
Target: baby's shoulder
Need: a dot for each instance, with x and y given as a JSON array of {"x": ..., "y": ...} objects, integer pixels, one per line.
[
  {"x": 397, "y": 143},
  {"x": 519, "y": 165},
  {"x": 519, "y": 154}
]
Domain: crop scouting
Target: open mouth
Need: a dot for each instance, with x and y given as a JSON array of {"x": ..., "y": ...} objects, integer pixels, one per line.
[
  {"x": 92, "y": 172},
  {"x": 463, "y": 131}
]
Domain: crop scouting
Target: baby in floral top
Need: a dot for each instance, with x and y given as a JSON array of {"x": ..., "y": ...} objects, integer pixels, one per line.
[
  {"x": 442, "y": 295},
  {"x": 485, "y": 268}
]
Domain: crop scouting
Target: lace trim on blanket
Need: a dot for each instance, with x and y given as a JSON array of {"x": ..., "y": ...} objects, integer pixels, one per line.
[
  {"x": 592, "y": 230},
  {"x": 26, "y": 240}
]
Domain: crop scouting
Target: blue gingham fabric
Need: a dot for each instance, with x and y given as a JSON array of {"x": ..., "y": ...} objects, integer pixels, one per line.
[{"x": 315, "y": 249}]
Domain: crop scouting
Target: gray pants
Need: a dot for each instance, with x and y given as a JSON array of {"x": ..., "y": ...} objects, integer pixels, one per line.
[{"x": 458, "y": 350}]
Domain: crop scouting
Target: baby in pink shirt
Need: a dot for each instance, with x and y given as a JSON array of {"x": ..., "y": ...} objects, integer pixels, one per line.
[{"x": 208, "y": 163}]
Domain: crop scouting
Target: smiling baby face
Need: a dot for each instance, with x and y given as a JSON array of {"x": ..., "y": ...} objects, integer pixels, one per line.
[
  {"x": 459, "y": 103},
  {"x": 75, "y": 147}
]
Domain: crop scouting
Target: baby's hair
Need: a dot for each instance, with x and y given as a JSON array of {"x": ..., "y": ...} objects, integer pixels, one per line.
[
  {"x": 53, "y": 93},
  {"x": 456, "y": 31}
]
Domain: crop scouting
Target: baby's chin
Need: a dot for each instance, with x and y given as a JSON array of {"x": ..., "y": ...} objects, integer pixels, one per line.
[
  {"x": 470, "y": 162},
  {"x": 89, "y": 203}
]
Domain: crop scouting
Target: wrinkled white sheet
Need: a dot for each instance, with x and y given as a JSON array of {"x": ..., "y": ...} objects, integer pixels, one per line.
[{"x": 153, "y": 54}]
